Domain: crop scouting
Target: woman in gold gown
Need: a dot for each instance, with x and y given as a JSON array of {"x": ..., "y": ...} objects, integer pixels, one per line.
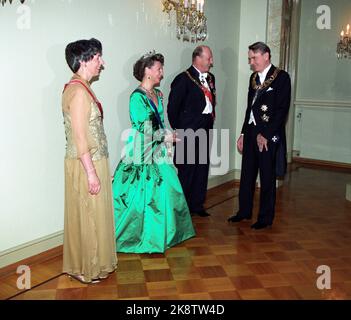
[{"x": 89, "y": 252}]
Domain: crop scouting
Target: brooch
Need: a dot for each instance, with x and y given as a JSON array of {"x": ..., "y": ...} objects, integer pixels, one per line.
[
  {"x": 264, "y": 108},
  {"x": 275, "y": 139},
  {"x": 160, "y": 95},
  {"x": 265, "y": 118}
]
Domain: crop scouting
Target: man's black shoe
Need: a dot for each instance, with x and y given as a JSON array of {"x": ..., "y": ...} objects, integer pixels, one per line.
[
  {"x": 202, "y": 213},
  {"x": 260, "y": 225},
  {"x": 236, "y": 218}
]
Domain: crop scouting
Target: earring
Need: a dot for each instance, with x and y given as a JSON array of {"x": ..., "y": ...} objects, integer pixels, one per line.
[{"x": 148, "y": 77}]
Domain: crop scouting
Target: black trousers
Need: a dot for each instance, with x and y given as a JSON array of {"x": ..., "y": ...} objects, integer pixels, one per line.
[
  {"x": 193, "y": 162},
  {"x": 253, "y": 161}
]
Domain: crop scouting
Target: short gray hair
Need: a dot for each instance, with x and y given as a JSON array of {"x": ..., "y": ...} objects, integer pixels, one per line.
[{"x": 198, "y": 51}]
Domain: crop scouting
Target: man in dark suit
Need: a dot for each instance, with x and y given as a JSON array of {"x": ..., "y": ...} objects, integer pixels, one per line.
[
  {"x": 191, "y": 112},
  {"x": 262, "y": 141}
]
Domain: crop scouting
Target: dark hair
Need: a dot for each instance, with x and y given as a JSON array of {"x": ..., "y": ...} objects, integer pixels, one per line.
[
  {"x": 261, "y": 47},
  {"x": 81, "y": 50},
  {"x": 146, "y": 61}
]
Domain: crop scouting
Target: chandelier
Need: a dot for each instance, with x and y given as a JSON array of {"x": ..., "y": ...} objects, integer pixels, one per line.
[
  {"x": 343, "y": 49},
  {"x": 190, "y": 18},
  {"x": 4, "y": 1}
]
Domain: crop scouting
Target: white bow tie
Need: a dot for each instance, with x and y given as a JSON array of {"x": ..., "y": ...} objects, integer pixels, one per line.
[{"x": 203, "y": 76}]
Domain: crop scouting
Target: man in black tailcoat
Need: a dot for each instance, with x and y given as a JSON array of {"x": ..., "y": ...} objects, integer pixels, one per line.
[
  {"x": 262, "y": 141},
  {"x": 191, "y": 112}
]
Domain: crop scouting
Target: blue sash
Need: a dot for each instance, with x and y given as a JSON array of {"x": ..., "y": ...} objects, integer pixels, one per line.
[{"x": 153, "y": 107}]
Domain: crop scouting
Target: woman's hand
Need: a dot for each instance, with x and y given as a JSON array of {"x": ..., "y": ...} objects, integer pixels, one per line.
[
  {"x": 94, "y": 185},
  {"x": 171, "y": 137},
  {"x": 93, "y": 180}
]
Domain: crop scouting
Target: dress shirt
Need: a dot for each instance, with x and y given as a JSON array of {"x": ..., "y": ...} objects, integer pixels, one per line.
[{"x": 202, "y": 77}]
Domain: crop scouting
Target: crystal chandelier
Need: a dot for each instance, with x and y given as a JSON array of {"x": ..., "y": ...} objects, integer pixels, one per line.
[
  {"x": 4, "y": 1},
  {"x": 190, "y": 17},
  {"x": 343, "y": 49}
]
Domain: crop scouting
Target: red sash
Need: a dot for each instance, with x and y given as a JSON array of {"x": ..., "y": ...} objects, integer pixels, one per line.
[
  {"x": 206, "y": 92},
  {"x": 209, "y": 95},
  {"x": 90, "y": 93}
]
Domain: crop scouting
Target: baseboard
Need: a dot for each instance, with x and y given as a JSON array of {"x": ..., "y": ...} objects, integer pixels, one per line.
[
  {"x": 30, "y": 249},
  {"x": 216, "y": 181},
  {"x": 348, "y": 192},
  {"x": 322, "y": 163}
]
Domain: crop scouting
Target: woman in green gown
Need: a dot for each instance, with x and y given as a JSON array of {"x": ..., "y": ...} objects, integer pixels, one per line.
[{"x": 150, "y": 209}]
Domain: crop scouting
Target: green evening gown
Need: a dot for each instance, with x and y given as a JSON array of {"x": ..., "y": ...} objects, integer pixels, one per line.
[{"x": 150, "y": 209}]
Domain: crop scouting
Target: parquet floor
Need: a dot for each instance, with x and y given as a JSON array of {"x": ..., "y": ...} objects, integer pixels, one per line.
[{"x": 231, "y": 261}]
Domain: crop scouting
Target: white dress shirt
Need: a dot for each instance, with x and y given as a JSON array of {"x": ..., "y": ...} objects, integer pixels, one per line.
[
  {"x": 262, "y": 75},
  {"x": 202, "y": 77}
]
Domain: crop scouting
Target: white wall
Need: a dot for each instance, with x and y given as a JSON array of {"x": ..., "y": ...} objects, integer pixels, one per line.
[
  {"x": 321, "y": 76},
  {"x": 34, "y": 72},
  {"x": 253, "y": 25},
  {"x": 323, "y": 97},
  {"x": 323, "y": 132}
]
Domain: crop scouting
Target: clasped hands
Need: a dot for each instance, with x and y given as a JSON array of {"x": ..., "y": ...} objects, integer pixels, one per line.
[{"x": 262, "y": 143}]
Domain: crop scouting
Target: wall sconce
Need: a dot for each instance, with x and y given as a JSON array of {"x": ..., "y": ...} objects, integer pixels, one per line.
[
  {"x": 343, "y": 48},
  {"x": 190, "y": 17},
  {"x": 4, "y": 1}
]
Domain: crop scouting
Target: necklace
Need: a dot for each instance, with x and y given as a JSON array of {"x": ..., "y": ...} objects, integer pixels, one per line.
[
  {"x": 151, "y": 93},
  {"x": 266, "y": 83}
]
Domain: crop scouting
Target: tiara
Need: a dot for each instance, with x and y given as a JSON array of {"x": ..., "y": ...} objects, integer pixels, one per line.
[{"x": 149, "y": 54}]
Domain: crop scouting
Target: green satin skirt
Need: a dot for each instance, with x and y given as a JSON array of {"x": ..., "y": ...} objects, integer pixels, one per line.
[{"x": 151, "y": 213}]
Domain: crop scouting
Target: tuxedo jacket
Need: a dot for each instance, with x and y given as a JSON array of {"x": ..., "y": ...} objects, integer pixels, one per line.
[
  {"x": 270, "y": 111},
  {"x": 271, "y": 106},
  {"x": 187, "y": 101}
]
